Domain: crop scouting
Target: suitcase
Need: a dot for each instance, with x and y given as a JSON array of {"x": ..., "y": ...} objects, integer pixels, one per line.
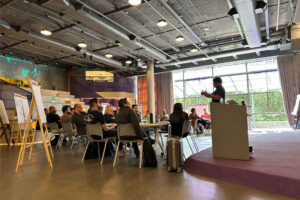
[{"x": 174, "y": 154}]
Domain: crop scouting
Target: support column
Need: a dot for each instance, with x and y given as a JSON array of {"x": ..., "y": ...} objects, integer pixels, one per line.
[{"x": 150, "y": 87}]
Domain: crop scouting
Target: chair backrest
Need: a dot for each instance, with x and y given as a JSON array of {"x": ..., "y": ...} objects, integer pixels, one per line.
[
  {"x": 53, "y": 126},
  {"x": 68, "y": 128},
  {"x": 186, "y": 127},
  {"x": 94, "y": 129},
  {"x": 126, "y": 130}
]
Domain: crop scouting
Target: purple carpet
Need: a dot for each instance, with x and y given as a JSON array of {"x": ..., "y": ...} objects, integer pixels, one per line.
[{"x": 274, "y": 168}]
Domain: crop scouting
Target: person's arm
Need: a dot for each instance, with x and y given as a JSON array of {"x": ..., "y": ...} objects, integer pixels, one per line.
[{"x": 213, "y": 96}]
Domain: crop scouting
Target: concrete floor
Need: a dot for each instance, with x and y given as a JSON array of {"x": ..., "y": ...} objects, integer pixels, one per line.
[{"x": 72, "y": 179}]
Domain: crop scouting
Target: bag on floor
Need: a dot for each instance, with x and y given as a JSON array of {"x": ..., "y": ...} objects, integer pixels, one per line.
[
  {"x": 149, "y": 155},
  {"x": 54, "y": 140},
  {"x": 174, "y": 154}
]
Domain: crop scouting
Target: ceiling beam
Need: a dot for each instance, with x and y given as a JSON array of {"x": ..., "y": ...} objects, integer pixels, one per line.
[
  {"x": 6, "y": 3},
  {"x": 12, "y": 45}
]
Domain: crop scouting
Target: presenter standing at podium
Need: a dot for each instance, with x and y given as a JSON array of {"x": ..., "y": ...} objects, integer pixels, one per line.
[{"x": 218, "y": 96}]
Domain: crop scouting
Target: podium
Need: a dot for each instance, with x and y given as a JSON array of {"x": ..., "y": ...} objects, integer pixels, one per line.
[{"x": 229, "y": 131}]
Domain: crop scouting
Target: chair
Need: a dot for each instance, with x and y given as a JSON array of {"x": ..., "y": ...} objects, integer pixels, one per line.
[
  {"x": 67, "y": 131},
  {"x": 54, "y": 130},
  {"x": 186, "y": 131},
  {"x": 127, "y": 130},
  {"x": 96, "y": 129}
]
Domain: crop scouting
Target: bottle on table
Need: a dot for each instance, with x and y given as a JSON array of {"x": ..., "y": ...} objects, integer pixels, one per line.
[{"x": 148, "y": 119}]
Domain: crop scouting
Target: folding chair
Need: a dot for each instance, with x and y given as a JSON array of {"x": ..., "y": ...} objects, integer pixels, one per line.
[
  {"x": 186, "y": 131},
  {"x": 54, "y": 130},
  {"x": 96, "y": 129},
  {"x": 127, "y": 130},
  {"x": 67, "y": 132}
]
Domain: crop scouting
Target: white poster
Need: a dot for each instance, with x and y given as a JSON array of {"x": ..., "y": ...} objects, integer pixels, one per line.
[
  {"x": 3, "y": 113},
  {"x": 296, "y": 107},
  {"x": 36, "y": 92},
  {"x": 22, "y": 108}
]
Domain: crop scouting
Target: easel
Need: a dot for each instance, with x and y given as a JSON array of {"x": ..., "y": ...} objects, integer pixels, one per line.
[
  {"x": 42, "y": 124},
  {"x": 4, "y": 129}
]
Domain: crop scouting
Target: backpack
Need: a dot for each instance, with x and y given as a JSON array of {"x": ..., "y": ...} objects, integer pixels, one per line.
[{"x": 149, "y": 155}]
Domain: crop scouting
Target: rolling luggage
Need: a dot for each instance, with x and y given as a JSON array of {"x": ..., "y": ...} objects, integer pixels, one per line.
[{"x": 175, "y": 154}]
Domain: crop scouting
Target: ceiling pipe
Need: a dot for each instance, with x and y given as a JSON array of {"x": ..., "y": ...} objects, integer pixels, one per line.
[
  {"x": 234, "y": 54},
  {"x": 249, "y": 21},
  {"x": 118, "y": 31},
  {"x": 236, "y": 20},
  {"x": 267, "y": 20},
  {"x": 278, "y": 13},
  {"x": 65, "y": 47}
]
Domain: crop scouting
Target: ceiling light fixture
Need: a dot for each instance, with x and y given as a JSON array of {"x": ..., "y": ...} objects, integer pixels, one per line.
[
  {"x": 108, "y": 55},
  {"x": 179, "y": 38},
  {"x": 207, "y": 29},
  {"x": 82, "y": 45},
  {"x": 134, "y": 2},
  {"x": 46, "y": 32},
  {"x": 128, "y": 62},
  {"x": 162, "y": 23},
  {"x": 144, "y": 66},
  {"x": 194, "y": 50}
]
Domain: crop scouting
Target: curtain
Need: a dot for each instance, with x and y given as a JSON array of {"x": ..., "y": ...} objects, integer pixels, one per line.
[
  {"x": 164, "y": 87},
  {"x": 163, "y": 92},
  {"x": 142, "y": 93},
  {"x": 289, "y": 71}
]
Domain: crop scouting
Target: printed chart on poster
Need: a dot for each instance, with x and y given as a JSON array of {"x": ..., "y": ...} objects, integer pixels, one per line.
[
  {"x": 36, "y": 92},
  {"x": 22, "y": 108},
  {"x": 3, "y": 113},
  {"x": 296, "y": 107},
  {"x": 199, "y": 108}
]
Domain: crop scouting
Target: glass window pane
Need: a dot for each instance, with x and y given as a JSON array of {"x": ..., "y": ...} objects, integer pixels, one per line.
[
  {"x": 260, "y": 103},
  {"x": 273, "y": 81},
  {"x": 257, "y": 82},
  {"x": 275, "y": 103},
  {"x": 263, "y": 65},
  {"x": 229, "y": 69},
  {"x": 178, "y": 90},
  {"x": 197, "y": 73}
]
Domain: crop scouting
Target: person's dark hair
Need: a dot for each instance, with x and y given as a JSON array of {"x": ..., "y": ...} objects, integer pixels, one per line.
[
  {"x": 178, "y": 113},
  {"x": 217, "y": 80},
  {"x": 134, "y": 105},
  {"x": 193, "y": 109},
  {"x": 122, "y": 102},
  {"x": 65, "y": 108},
  {"x": 93, "y": 102}
]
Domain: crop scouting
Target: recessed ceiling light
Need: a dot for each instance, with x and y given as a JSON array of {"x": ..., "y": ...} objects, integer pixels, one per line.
[
  {"x": 162, "y": 23},
  {"x": 207, "y": 29},
  {"x": 108, "y": 55},
  {"x": 128, "y": 62},
  {"x": 82, "y": 45},
  {"x": 144, "y": 66},
  {"x": 134, "y": 2},
  {"x": 194, "y": 50},
  {"x": 46, "y": 32},
  {"x": 179, "y": 38}
]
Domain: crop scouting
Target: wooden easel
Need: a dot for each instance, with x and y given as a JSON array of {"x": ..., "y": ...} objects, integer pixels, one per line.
[
  {"x": 25, "y": 142},
  {"x": 4, "y": 129}
]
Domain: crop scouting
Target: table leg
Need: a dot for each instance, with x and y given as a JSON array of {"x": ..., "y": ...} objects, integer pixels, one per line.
[{"x": 157, "y": 140}]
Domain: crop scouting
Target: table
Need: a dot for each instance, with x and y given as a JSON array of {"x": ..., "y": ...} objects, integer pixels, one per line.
[{"x": 155, "y": 126}]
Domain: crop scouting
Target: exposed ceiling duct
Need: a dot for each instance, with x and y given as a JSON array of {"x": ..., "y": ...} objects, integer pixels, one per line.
[
  {"x": 104, "y": 26},
  {"x": 62, "y": 46},
  {"x": 286, "y": 46},
  {"x": 245, "y": 12}
]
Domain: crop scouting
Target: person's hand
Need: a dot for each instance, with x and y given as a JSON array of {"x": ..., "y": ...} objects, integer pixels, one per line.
[{"x": 204, "y": 93}]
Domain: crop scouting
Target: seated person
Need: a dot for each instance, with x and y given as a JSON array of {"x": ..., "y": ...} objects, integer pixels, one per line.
[
  {"x": 138, "y": 114},
  {"x": 67, "y": 115},
  {"x": 127, "y": 115},
  {"x": 177, "y": 119},
  {"x": 109, "y": 115},
  {"x": 53, "y": 117},
  {"x": 206, "y": 115},
  {"x": 205, "y": 119},
  {"x": 78, "y": 119},
  {"x": 194, "y": 117},
  {"x": 164, "y": 116}
]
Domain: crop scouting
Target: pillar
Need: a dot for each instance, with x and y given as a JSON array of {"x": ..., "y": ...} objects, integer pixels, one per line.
[{"x": 150, "y": 87}]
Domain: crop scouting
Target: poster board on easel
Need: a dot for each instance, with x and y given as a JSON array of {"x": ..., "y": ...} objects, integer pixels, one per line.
[
  {"x": 36, "y": 103},
  {"x": 5, "y": 126},
  {"x": 22, "y": 110}
]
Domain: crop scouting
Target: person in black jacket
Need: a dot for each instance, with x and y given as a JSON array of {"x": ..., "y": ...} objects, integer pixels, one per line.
[
  {"x": 177, "y": 119},
  {"x": 78, "y": 119},
  {"x": 53, "y": 117}
]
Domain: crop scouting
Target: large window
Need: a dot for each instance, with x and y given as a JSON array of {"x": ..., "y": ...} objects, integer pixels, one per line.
[{"x": 255, "y": 81}]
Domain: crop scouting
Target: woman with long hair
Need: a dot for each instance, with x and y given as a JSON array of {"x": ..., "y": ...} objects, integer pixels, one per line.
[
  {"x": 177, "y": 119},
  {"x": 109, "y": 114}
]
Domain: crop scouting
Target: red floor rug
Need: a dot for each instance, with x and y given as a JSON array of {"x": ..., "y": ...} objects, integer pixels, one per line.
[{"x": 274, "y": 168}]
